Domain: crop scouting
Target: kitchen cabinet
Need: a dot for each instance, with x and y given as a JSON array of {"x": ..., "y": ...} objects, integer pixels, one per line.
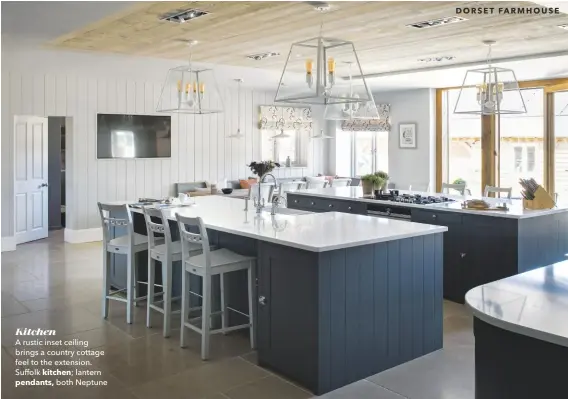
[
  {"x": 455, "y": 250},
  {"x": 287, "y": 323},
  {"x": 477, "y": 249},
  {"x": 314, "y": 204}
]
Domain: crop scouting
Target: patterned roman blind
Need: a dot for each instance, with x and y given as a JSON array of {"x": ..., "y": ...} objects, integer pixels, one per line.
[
  {"x": 374, "y": 125},
  {"x": 288, "y": 118}
]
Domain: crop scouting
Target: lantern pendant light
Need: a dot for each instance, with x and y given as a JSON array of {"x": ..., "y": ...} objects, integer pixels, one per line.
[
  {"x": 349, "y": 111},
  {"x": 490, "y": 91},
  {"x": 191, "y": 90},
  {"x": 313, "y": 68},
  {"x": 238, "y": 133}
]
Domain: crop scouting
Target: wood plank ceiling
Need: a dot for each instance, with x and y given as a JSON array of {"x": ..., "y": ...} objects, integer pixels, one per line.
[{"x": 233, "y": 30}]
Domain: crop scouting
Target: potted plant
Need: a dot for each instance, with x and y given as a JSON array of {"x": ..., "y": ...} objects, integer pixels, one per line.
[
  {"x": 384, "y": 177},
  {"x": 263, "y": 167},
  {"x": 459, "y": 180},
  {"x": 370, "y": 182}
]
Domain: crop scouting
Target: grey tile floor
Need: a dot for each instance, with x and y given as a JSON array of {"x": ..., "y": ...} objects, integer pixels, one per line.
[{"x": 52, "y": 284}]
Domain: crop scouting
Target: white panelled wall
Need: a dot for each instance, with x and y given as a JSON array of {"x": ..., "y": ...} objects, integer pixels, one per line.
[{"x": 70, "y": 84}]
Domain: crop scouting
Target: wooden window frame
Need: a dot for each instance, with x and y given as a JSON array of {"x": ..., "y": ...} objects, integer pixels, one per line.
[{"x": 489, "y": 127}]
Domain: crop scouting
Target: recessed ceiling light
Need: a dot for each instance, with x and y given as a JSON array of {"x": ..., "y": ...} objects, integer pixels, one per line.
[
  {"x": 436, "y": 22},
  {"x": 262, "y": 56},
  {"x": 437, "y": 59},
  {"x": 182, "y": 16},
  {"x": 563, "y": 26},
  {"x": 320, "y": 6}
]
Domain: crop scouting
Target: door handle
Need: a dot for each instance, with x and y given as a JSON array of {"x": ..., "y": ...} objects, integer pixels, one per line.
[
  {"x": 463, "y": 254},
  {"x": 262, "y": 300},
  {"x": 43, "y": 185}
]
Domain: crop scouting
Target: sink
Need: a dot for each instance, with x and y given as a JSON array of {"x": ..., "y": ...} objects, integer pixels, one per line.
[{"x": 286, "y": 211}]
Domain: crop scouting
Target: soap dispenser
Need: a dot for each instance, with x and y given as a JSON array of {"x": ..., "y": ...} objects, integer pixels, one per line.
[{"x": 288, "y": 161}]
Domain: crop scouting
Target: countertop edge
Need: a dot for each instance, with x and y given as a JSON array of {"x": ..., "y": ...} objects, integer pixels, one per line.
[
  {"x": 273, "y": 240},
  {"x": 515, "y": 328},
  {"x": 436, "y": 207}
]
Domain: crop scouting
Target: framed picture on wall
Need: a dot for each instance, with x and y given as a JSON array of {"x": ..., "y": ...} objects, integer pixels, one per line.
[{"x": 407, "y": 135}]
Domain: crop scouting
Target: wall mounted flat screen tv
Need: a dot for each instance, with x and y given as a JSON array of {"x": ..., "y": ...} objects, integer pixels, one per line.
[{"x": 133, "y": 136}]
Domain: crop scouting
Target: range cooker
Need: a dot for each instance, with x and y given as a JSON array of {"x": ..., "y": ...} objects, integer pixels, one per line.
[{"x": 398, "y": 212}]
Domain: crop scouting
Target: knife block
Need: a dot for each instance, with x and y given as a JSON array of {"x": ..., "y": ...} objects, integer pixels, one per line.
[{"x": 542, "y": 200}]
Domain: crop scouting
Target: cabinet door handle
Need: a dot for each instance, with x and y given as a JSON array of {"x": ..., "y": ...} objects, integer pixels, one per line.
[
  {"x": 312, "y": 203},
  {"x": 349, "y": 208},
  {"x": 434, "y": 216},
  {"x": 331, "y": 205},
  {"x": 262, "y": 300},
  {"x": 463, "y": 254},
  {"x": 296, "y": 201}
]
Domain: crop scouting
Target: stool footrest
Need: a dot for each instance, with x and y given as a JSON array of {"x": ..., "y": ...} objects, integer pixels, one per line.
[
  {"x": 218, "y": 330},
  {"x": 238, "y": 311}
]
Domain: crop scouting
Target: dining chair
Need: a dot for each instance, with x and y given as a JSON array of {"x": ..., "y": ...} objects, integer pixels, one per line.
[
  {"x": 458, "y": 187},
  {"x": 340, "y": 182},
  {"x": 498, "y": 190}
]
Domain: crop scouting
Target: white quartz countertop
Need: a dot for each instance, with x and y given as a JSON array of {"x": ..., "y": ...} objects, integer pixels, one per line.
[
  {"x": 515, "y": 211},
  {"x": 316, "y": 232},
  {"x": 534, "y": 303}
]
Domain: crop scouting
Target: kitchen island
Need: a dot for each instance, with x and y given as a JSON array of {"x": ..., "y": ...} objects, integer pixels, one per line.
[
  {"x": 479, "y": 247},
  {"x": 521, "y": 335},
  {"x": 340, "y": 296}
]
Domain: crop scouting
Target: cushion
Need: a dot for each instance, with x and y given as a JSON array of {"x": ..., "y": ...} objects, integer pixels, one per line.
[
  {"x": 328, "y": 178},
  {"x": 201, "y": 193},
  {"x": 189, "y": 187},
  {"x": 245, "y": 184}
]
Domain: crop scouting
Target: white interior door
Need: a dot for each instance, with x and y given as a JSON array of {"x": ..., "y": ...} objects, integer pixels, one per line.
[{"x": 30, "y": 185}]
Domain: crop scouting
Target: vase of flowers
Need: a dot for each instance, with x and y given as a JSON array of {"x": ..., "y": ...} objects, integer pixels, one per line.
[{"x": 263, "y": 167}]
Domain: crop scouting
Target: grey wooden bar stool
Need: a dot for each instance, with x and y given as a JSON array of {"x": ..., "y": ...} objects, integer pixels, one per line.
[
  {"x": 206, "y": 265},
  {"x": 128, "y": 244},
  {"x": 166, "y": 251}
]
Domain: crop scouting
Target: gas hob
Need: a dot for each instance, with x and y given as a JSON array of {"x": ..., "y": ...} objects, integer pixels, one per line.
[{"x": 412, "y": 199}]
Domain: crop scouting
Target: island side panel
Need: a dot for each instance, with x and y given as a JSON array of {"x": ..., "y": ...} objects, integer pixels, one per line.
[
  {"x": 511, "y": 365},
  {"x": 543, "y": 240},
  {"x": 287, "y": 312},
  {"x": 379, "y": 306}
]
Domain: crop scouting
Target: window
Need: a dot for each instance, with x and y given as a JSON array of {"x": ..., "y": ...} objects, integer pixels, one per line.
[
  {"x": 531, "y": 158},
  {"x": 361, "y": 153},
  {"x": 278, "y": 150},
  {"x": 461, "y": 144},
  {"x": 518, "y": 159},
  {"x": 364, "y": 153},
  {"x": 525, "y": 158},
  {"x": 521, "y": 143}
]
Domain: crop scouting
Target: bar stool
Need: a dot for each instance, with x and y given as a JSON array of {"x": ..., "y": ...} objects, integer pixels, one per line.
[
  {"x": 166, "y": 251},
  {"x": 208, "y": 264},
  {"x": 128, "y": 244}
]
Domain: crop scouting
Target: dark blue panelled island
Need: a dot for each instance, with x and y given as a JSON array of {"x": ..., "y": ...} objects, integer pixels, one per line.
[
  {"x": 521, "y": 335},
  {"x": 340, "y": 296},
  {"x": 479, "y": 246}
]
